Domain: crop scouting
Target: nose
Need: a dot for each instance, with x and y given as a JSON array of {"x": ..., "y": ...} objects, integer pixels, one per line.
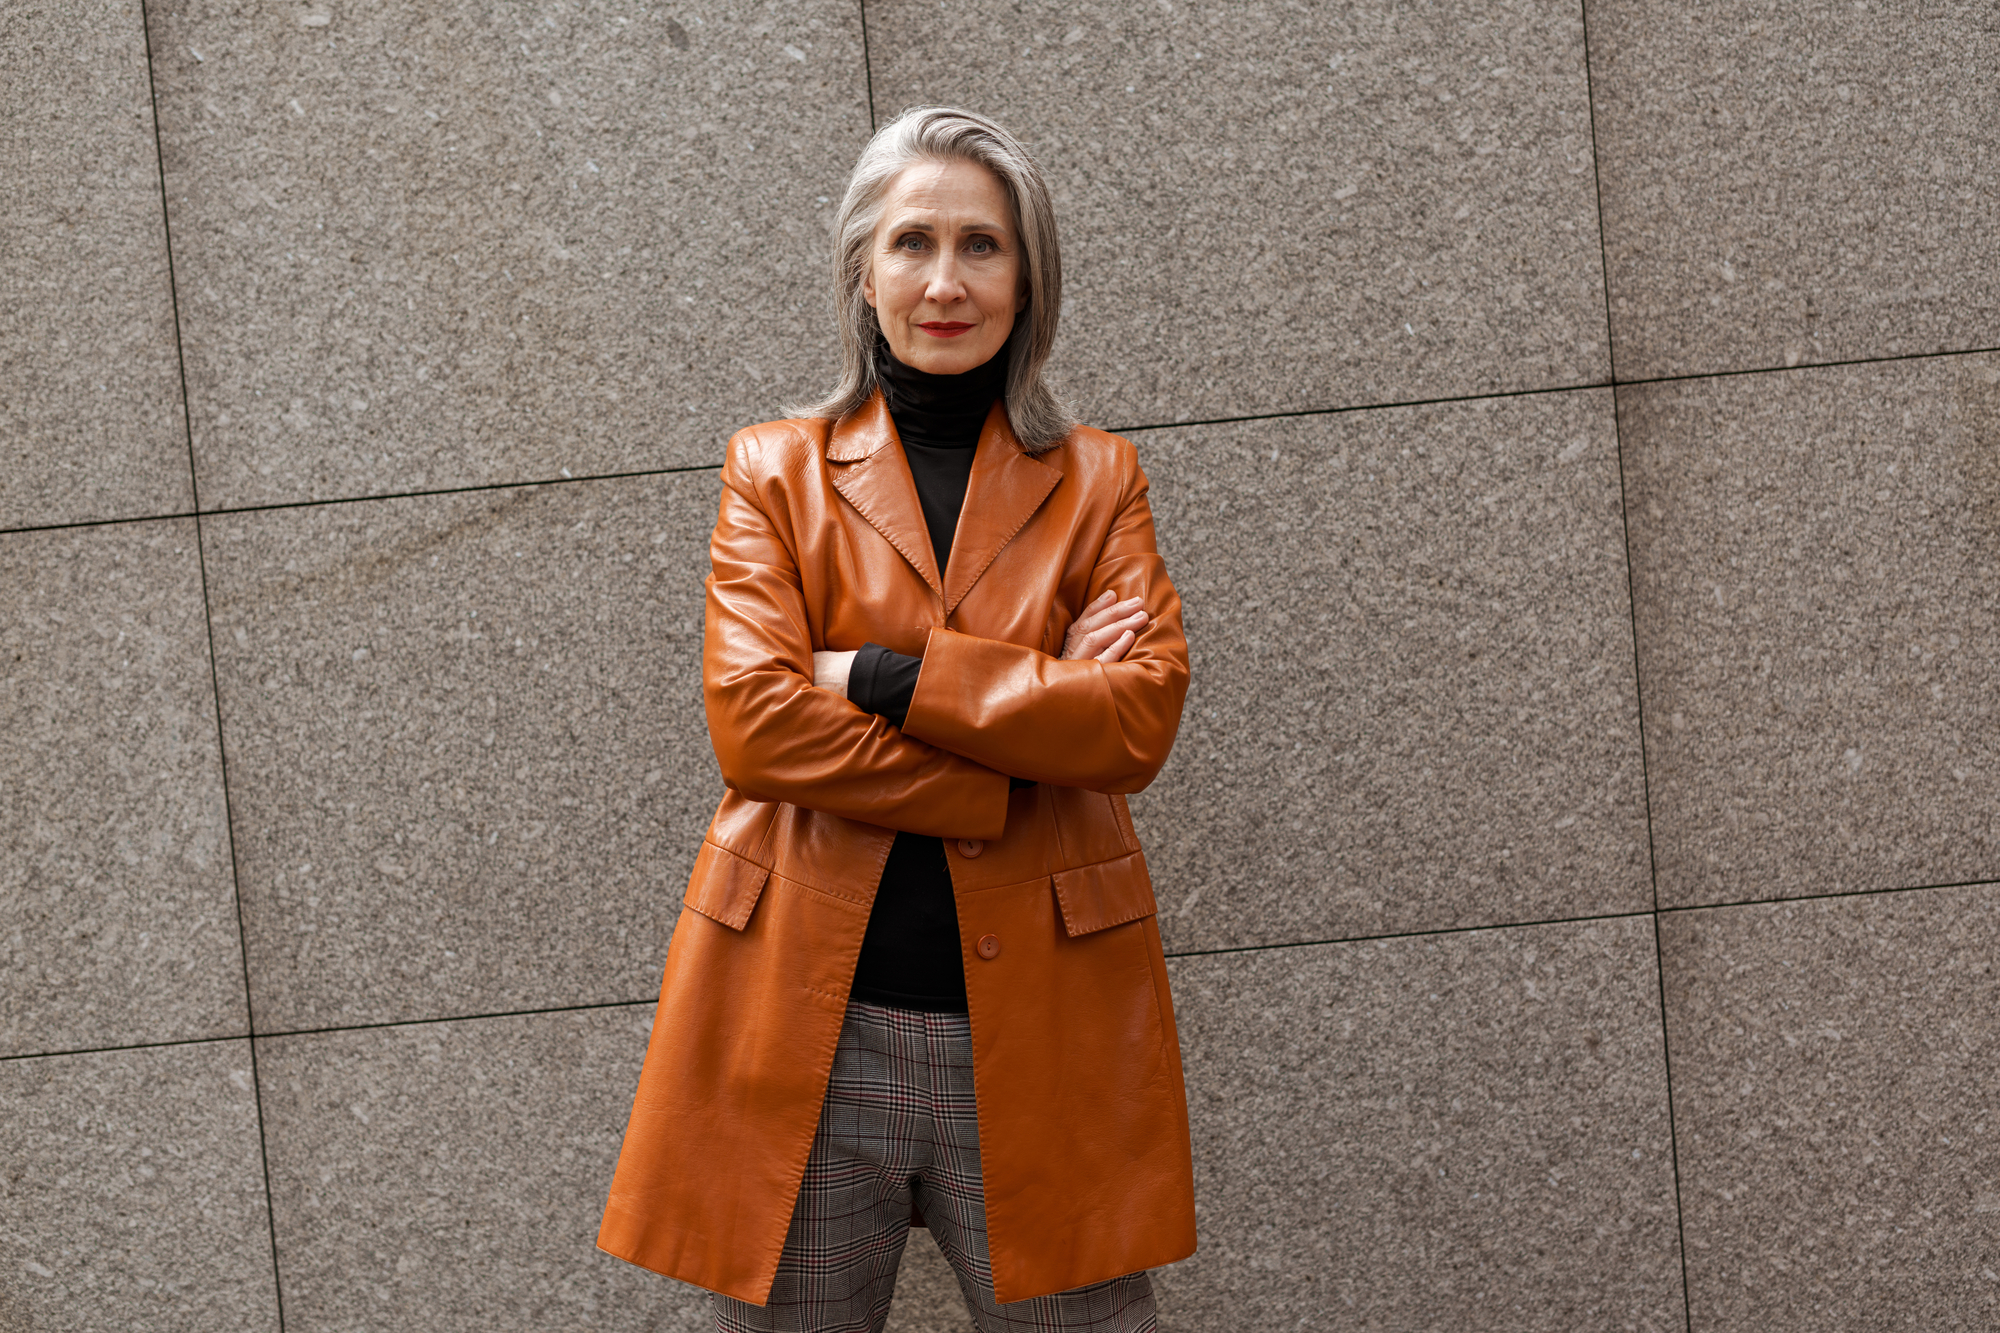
[{"x": 944, "y": 288}]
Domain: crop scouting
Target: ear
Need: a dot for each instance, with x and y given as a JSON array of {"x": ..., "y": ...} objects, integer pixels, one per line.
[{"x": 868, "y": 285}]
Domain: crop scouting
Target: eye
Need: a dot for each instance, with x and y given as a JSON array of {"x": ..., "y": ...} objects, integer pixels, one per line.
[
  {"x": 912, "y": 241},
  {"x": 982, "y": 245}
]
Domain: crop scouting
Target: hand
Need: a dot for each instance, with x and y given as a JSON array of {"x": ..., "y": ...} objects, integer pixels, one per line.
[
  {"x": 1106, "y": 630},
  {"x": 830, "y": 671}
]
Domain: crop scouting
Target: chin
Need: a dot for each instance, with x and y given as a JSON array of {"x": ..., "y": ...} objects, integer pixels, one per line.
[{"x": 952, "y": 360}]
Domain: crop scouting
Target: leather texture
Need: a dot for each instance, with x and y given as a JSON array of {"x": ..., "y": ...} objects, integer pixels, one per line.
[{"x": 820, "y": 544}]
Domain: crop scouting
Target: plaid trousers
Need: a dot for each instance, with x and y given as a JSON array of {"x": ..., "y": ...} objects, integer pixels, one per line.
[{"x": 900, "y": 1126}]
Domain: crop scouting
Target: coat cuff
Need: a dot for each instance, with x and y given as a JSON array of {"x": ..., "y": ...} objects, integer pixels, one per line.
[{"x": 883, "y": 682}]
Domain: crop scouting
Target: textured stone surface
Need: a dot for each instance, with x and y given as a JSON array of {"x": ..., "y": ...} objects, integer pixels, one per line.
[
  {"x": 422, "y": 247},
  {"x": 132, "y": 1194},
  {"x": 1293, "y": 207},
  {"x": 467, "y": 754},
  {"x": 1412, "y": 701},
  {"x": 1790, "y": 181},
  {"x": 120, "y": 916},
  {"x": 450, "y": 1176},
  {"x": 1456, "y": 1131},
  {"x": 1819, "y": 626},
  {"x": 928, "y": 1299},
  {"x": 90, "y": 420},
  {"x": 1834, "y": 1091}
]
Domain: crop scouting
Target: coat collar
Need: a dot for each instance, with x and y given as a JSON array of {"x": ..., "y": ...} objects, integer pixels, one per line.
[{"x": 1004, "y": 491}]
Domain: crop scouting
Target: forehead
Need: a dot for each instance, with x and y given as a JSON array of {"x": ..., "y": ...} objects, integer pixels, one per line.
[{"x": 961, "y": 191}]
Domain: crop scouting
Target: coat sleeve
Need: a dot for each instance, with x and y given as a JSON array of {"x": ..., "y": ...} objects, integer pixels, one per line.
[
  {"x": 1086, "y": 724},
  {"x": 779, "y": 738}
]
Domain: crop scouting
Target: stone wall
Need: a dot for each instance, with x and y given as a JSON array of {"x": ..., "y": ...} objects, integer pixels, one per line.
[{"x": 1576, "y": 432}]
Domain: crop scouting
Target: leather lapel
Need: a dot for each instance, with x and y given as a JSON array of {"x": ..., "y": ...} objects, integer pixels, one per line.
[
  {"x": 1005, "y": 489},
  {"x": 870, "y": 472}
]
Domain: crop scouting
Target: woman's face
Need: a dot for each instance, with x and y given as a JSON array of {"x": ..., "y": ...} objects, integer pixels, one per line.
[{"x": 945, "y": 272}]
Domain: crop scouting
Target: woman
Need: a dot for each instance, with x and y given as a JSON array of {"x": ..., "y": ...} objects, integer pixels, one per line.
[{"x": 918, "y": 972}]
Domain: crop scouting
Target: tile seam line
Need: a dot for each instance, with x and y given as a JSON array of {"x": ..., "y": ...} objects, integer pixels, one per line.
[
  {"x": 1183, "y": 953},
  {"x": 472, "y": 489},
  {"x": 1638, "y": 683},
  {"x": 214, "y": 680},
  {"x": 1581, "y": 386},
  {"x": 127, "y": 1046},
  {"x": 476, "y": 488},
  {"x": 320, "y": 1031},
  {"x": 1652, "y": 856},
  {"x": 867, "y": 65},
  {"x": 74, "y": 524},
  {"x": 1831, "y": 896},
  {"x": 1836, "y": 364},
  {"x": 1386, "y": 405},
  {"x": 1427, "y": 933},
  {"x": 1588, "y": 917}
]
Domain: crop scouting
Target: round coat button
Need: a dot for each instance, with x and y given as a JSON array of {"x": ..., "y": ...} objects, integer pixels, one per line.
[
  {"x": 970, "y": 847},
  {"x": 989, "y": 946}
]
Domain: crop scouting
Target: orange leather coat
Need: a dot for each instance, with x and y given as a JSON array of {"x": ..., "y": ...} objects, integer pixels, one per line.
[{"x": 821, "y": 544}]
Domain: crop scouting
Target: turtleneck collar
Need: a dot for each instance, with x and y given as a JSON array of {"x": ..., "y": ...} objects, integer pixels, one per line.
[{"x": 940, "y": 411}]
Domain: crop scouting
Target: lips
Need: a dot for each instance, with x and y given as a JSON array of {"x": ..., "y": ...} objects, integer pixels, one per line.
[{"x": 944, "y": 328}]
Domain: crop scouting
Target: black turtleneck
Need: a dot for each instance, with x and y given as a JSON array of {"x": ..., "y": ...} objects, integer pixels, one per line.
[
  {"x": 910, "y": 956},
  {"x": 938, "y": 418}
]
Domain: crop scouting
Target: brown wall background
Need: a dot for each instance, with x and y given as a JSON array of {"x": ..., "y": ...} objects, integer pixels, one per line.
[{"x": 1576, "y": 432}]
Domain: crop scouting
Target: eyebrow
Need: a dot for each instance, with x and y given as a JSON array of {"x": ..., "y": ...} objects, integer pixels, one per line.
[{"x": 970, "y": 226}]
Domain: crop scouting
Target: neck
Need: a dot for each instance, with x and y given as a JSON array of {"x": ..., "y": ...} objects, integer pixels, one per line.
[{"x": 939, "y": 411}]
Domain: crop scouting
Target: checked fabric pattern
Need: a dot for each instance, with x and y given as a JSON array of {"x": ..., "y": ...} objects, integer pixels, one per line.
[{"x": 900, "y": 1126}]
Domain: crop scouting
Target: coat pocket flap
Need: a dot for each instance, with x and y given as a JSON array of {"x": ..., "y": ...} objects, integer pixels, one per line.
[
  {"x": 724, "y": 887},
  {"x": 1109, "y": 893}
]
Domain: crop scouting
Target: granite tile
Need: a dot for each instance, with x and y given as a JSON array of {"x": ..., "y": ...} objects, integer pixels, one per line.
[
  {"x": 132, "y": 1193},
  {"x": 1454, "y": 1131},
  {"x": 1819, "y": 627},
  {"x": 468, "y": 759},
  {"x": 423, "y": 247},
  {"x": 91, "y": 412},
  {"x": 1276, "y": 208},
  {"x": 1786, "y": 181},
  {"x": 928, "y": 1299},
  {"x": 120, "y": 925},
  {"x": 444, "y": 1176},
  {"x": 1834, "y": 1086},
  {"x": 1412, "y": 703}
]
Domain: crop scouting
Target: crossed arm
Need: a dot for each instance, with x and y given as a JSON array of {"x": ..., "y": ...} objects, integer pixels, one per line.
[
  {"x": 1105, "y": 632},
  {"x": 1100, "y": 717}
]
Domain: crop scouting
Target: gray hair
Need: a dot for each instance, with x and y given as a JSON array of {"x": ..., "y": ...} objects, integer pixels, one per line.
[{"x": 946, "y": 134}]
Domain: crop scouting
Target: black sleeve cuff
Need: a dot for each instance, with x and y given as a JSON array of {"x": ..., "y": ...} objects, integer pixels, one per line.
[{"x": 883, "y": 682}]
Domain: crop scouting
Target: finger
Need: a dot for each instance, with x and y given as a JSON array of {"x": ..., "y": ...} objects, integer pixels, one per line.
[
  {"x": 1096, "y": 608},
  {"x": 1088, "y": 636},
  {"x": 1109, "y": 615},
  {"x": 1134, "y": 622},
  {"x": 1095, "y": 644},
  {"x": 1074, "y": 648},
  {"x": 1119, "y": 648}
]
